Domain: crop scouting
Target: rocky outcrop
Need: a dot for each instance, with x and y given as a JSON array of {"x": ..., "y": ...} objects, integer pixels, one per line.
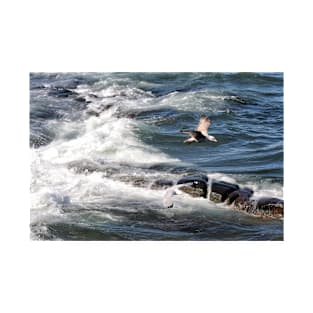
[
  {"x": 60, "y": 92},
  {"x": 198, "y": 185},
  {"x": 240, "y": 195},
  {"x": 66, "y": 92},
  {"x": 234, "y": 196},
  {"x": 220, "y": 190},
  {"x": 270, "y": 207},
  {"x": 161, "y": 184},
  {"x": 137, "y": 181}
]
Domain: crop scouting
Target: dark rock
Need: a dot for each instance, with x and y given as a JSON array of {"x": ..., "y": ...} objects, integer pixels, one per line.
[
  {"x": 240, "y": 195},
  {"x": 246, "y": 205},
  {"x": 98, "y": 110},
  {"x": 131, "y": 115},
  {"x": 142, "y": 114},
  {"x": 136, "y": 181},
  {"x": 91, "y": 95},
  {"x": 124, "y": 114},
  {"x": 241, "y": 200},
  {"x": 37, "y": 87},
  {"x": 71, "y": 83},
  {"x": 220, "y": 190},
  {"x": 161, "y": 184},
  {"x": 199, "y": 187},
  {"x": 264, "y": 207},
  {"x": 108, "y": 106},
  {"x": 82, "y": 99},
  {"x": 60, "y": 92},
  {"x": 191, "y": 178},
  {"x": 270, "y": 207},
  {"x": 194, "y": 191},
  {"x": 93, "y": 113}
]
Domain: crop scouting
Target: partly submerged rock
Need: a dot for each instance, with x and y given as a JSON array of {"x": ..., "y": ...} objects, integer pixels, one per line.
[
  {"x": 191, "y": 178},
  {"x": 137, "y": 181},
  {"x": 240, "y": 200},
  {"x": 239, "y": 196},
  {"x": 270, "y": 207},
  {"x": 60, "y": 92},
  {"x": 161, "y": 184},
  {"x": 198, "y": 185},
  {"x": 194, "y": 191},
  {"x": 82, "y": 99},
  {"x": 265, "y": 207},
  {"x": 220, "y": 190}
]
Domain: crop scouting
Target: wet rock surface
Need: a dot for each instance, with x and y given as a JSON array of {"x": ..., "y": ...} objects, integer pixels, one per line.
[
  {"x": 61, "y": 92},
  {"x": 198, "y": 187},
  {"x": 136, "y": 181},
  {"x": 161, "y": 184},
  {"x": 193, "y": 191},
  {"x": 238, "y": 198},
  {"x": 240, "y": 195},
  {"x": 220, "y": 190},
  {"x": 192, "y": 178},
  {"x": 234, "y": 196},
  {"x": 264, "y": 207},
  {"x": 271, "y": 206}
]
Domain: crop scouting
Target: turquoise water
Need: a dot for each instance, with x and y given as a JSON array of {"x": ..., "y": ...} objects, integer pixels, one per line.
[{"x": 99, "y": 140}]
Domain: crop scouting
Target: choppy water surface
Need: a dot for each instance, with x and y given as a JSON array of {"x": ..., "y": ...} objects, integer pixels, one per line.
[{"x": 99, "y": 140}]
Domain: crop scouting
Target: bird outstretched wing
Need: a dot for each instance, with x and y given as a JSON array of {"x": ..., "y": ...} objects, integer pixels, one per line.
[{"x": 203, "y": 125}]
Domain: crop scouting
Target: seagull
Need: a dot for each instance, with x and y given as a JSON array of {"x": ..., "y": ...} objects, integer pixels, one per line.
[{"x": 201, "y": 132}]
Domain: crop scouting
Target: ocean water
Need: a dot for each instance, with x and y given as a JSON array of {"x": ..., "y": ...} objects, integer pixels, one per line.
[{"x": 98, "y": 141}]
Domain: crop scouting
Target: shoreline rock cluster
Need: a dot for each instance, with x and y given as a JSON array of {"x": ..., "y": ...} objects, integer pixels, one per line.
[
  {"x": 239, "y": 198},
  {"x": 197, "y": 185}
]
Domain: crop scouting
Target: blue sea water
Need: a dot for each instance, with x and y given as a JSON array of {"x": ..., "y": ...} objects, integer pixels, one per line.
[{"x": 99, "y": 140}]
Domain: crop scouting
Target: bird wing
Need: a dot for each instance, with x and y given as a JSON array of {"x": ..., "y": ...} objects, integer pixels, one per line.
[
  {"x": 203, "y": 125},
  {"x": 192, "y": 133}
]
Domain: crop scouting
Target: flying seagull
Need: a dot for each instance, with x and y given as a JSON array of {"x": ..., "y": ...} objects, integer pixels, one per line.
[{"x": 201, "y": 132}]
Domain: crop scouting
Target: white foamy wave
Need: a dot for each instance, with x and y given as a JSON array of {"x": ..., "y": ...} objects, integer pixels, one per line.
[
  {"x": 103, "y": 137},
  {"x": 56, "y": 188},
  {"x": 264, "y": 188},
  {"x": 106, "y": 89},
  {"x": 125, "y": 95},
  {"x": 267, "y": 190},
  {"x": 197, "y": 101},
  {"x": 115, "y": 98}
]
